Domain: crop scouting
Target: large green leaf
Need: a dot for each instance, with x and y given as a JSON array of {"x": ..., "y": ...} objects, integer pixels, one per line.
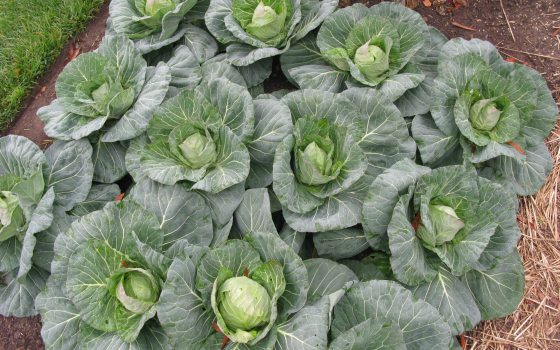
[
  {"x": 292, "y": 238},
  {"x": 272, "y": 124},
  {"x": 433, "y": 144},
  {"x": 44, "y": 247},
  {"x": 108, "y": 161},
  {"x": 382, "y": 197},
  {"x": 180, "y": 309},
  {"x": 385, "y": 139},
  {"x": 69, "y": 171},
  {"x": 135, "y": 121},
  {"x": 503, "y": 205},
  {"x": 525, "y": 176},
  {"x": 498, "y": 291},
  {"x": 20, "y": 157},
  {"x": 214, "y": 20},
  {"x": 453, "y": 300},
  {"x": 410, "y": 25},
  {"x": 313, "y": 13},
  {"x": 41, "y": 219},
  {"x": 224, "y": 203},
  {"x": 17, "y": 295},
  {"x": 326, "y": 277},
  {"x": 60, "y": 318},
  {"x": 98, "y": 196},
  {"x": 151, "y": 337},
  {"x": 131, "y": 67},
  {"x": 307, "y": 329},
  {"x": 271, "y": 247},
  {"x": 335, "y": 213},
  {"x": 66, "y": 125},
  {"x": 335, "y": 28},
  {"x": 421, "y": 325},
  {"x": 182, "y": 214},
  {"x": 234, "y": 105},
  {"x": 200, "y": 43},
  {"x": 408, "y": 257},
  {"x": 253, "y": 214},
  {"x": 340, "y": 244},
  {"x": 372, "y": 334}
]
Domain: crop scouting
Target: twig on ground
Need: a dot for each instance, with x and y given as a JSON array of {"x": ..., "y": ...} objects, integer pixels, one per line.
[
  {"x": 507, "y": 20},
  {"x": 529, "y": 53},
  {"x": 462, "y": 26}
]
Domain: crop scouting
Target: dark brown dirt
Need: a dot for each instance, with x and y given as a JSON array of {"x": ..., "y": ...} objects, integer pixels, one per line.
[
  {"x": 20, "y": 333},
  {"x": 534, "y": 23}
]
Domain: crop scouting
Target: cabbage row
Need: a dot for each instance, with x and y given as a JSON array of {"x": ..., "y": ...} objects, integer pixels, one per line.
[{"x": 372, "y": 206}]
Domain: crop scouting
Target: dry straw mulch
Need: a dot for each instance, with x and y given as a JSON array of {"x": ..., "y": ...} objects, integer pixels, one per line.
[{"x": 536, "y": 323}]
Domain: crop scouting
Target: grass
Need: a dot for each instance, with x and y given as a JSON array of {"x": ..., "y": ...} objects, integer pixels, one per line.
[{"x": 32, "y": 34}]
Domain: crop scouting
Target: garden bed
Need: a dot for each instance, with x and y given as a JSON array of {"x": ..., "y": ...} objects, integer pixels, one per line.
[{"x": 530, "y": 35}]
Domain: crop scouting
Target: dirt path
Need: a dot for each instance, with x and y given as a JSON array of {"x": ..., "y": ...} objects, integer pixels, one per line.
[{"x": 535, "y": 24}]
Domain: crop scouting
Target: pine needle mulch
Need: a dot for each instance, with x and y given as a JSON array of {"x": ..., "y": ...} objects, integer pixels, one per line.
[{"x": 536, "y": 323}]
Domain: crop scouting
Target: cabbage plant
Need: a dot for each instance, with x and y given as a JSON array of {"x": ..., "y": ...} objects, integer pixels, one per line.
[
  {"x": 387, "y": 47},
  {"x": 255, "y": 31},
  {"x": 384, "y": 315},
  {"x": 36, "y": 189},
  {"x": 212, "y": 139},
  {"x": 107, "y": 275},
  {"x": 451, "y": 236},
  {"x": 153, "y": 24},
  {"x": 490, "y": 113},
  {"x": 250, "y": 292},
  {"x": 107, "y": 96},
  {"x": 339, "y": 143}
]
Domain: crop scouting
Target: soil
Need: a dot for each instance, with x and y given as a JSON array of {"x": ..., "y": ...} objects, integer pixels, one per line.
[{"x": 535, "y": 24}]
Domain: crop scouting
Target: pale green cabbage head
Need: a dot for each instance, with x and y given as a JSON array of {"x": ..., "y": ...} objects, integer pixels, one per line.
[
  {"x": 485, "y": 114},
  {"x": 199, "y": 150},
  {"x": 137, "y": 290},
  {"x": 445, "y": 222},
  {"x": 244, "y": 303}
]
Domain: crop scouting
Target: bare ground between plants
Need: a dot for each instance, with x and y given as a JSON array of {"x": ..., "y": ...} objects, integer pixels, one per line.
[{"x": 530, "y": 35}]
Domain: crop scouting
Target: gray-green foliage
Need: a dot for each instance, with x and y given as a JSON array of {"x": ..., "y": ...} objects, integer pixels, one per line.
[
  {"x": 36, "y": 189},
  {"x": 490, "y": 113},
  {"x": 445, "y": 229},
  {"x": 153, "y": 24},
  {"x": 387, "y": 47},
  {"x": 255, "y": 31},
  {"x": 292, "y": 220},
  {"x": 255, "y": 289},
  {"x": 339, "y": 143},
  {"x": 106, "y": 277}
]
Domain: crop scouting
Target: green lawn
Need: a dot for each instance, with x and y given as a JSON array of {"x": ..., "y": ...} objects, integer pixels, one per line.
[{"x": 32, "y": 34}]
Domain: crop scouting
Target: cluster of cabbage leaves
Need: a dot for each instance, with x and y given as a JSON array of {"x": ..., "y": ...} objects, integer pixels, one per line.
[{"x": 373, "y": 207}]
